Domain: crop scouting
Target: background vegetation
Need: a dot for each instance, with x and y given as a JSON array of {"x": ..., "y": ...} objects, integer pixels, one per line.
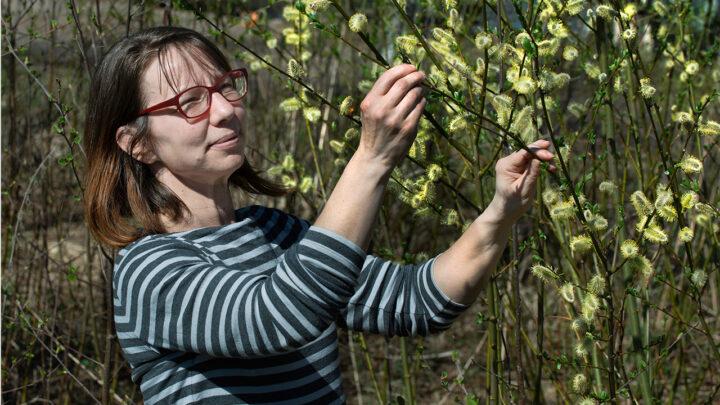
[{"x": 608, "y": 290}]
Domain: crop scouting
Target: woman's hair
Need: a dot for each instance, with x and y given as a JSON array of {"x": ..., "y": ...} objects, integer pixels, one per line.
[{"x": 123, "y": 199}]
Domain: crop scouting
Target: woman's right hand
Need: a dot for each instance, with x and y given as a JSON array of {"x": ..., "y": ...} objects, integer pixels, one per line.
[{"x": 390, "y": 114}]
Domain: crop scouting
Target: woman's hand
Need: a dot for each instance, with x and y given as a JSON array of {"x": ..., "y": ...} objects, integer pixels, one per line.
[
  {"x": 515, "y": 178},
  {"x": 390, "y": 114}
]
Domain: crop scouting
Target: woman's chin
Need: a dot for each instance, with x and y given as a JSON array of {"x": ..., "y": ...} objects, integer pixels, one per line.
[{"x": 236, "y": 162}]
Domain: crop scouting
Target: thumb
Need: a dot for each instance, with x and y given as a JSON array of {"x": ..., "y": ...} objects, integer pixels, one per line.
[
  {"x": 534, "y": 170},
  {"x": 531, "y": 175}
]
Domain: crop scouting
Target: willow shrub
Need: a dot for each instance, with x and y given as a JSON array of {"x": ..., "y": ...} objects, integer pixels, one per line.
[
  {"x": 623, "y": 240},
  {"x": 608, "y": 290}
]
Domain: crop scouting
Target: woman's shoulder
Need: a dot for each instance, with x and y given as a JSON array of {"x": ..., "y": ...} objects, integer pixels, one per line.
[
  {"x": 268, "y": 219},
  {"x": 264, "y": 216},
  {"x": 279, "y": 228},
  {"x": 146, "y": 245}
]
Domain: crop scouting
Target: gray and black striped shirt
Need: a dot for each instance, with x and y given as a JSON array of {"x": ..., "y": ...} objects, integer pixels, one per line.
[{"x": 247, "y": 312}]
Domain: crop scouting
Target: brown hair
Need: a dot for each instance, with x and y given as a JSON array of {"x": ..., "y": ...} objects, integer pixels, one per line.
[{"x": 123, "y": 199}]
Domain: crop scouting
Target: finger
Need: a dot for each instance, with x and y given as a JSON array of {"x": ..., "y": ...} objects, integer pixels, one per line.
[
  {"x": 402, "y": 86},
  {"x": 409, "y": 102},
  {"x": 529, "y": 178},
  {"x": 520, "y": 158},
  {"x": 413, "y": 118},
  {"x": 540, "y": 143},
  {"x": 534, "y": 171},
  {"x": 544, "y": 154},
  {"x": 385, "y": 82}
]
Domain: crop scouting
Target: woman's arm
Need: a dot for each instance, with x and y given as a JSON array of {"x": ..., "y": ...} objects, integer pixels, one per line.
[
  {"x": 390, "y": 113},
  {"x": 175, "y": 294},
  {"x": 462, "y": 271},
  {"x": 398, "y": 299}
]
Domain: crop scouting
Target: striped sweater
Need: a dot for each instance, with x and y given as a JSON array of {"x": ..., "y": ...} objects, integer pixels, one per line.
[{"x": 248, "y": 312}]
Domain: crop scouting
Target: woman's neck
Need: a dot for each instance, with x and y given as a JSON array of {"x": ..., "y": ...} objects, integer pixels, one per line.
[{"x": 208, "y": 204}]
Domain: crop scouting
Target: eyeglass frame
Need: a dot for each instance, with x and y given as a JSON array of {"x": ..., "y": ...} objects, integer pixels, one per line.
[{"x": 215, "y": 88}]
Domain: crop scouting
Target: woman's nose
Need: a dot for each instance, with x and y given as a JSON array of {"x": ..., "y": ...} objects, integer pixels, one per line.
[{"x": 221, "y": 109}]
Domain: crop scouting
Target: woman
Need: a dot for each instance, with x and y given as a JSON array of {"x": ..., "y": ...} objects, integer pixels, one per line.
[{"x": 224, "y": 305}]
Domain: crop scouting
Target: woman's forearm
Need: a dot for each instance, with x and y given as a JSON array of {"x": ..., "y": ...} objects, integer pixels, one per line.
[
  {"x": 390, "y": 114},
  {"x": 462, "y": 271},
  {"x": 351, "y": 209}
]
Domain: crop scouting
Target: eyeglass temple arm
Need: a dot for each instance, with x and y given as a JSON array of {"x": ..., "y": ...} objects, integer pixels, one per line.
[{"x": 168, "y": 103}]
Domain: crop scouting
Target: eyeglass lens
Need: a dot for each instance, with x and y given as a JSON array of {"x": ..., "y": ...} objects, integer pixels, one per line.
[{"x": 196, "y": 101}]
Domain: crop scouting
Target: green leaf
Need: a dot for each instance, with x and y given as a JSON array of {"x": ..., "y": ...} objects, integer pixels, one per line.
[
  {"x": 72, "y": 273},
  {"x": 66, "y": 160},
  {"x": 529, "y": 47},
  {"x": 479, "y": 319},
  {"x": 75, "y": 136}
]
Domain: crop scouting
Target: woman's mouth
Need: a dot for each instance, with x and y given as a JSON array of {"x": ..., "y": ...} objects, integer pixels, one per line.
[{"x": 226, "y": 142}]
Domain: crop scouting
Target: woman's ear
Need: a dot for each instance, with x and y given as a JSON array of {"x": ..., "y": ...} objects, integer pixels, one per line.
[{"x": 124, "y": 136}]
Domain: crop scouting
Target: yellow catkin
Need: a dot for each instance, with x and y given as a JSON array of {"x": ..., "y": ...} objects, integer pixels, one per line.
[
  {"x": 709, "y": 128},
  {"x": 690, "y": 164},
  {"x": 641, "y": 203},
  {"x": 550, "y": 196},
  {"x": 316, "y": 6},
  {"x": 599, "y": 223},
  {"x": 570, "y": 53},
  {"x": 698, "y": 278},
  {"x": 685, "y": 234},
  {"x": 581, "y": 350},
  {"x": 358, "y": 22},
  {"x": 581, "y": 244},
  {"x": 483, "y": 41},
  {"x": 312, "y": 114},
  {"x": 688, "y": 200},
  {"x": 629, "y": 248},
  {"x": 668, "y": 213},
  {"x": 647, "y": 91},
  {"x": 305, "y": 184},
  {"x": 562, "y": 210},
  {"x": 590, "y": 305},
  {"x": 294, "y": 69},
  {"x": 567, "y": 291},
  {"x": 642, "y": 265},
  {"x": 655, "y": 234},
  {"x": 596, "y": 285},
  {"x": 346, "y": 106},
  {"x": 545, "y": 274},
  {"x": 579, "y": 383},
  {"x": 434, "y": 172}
]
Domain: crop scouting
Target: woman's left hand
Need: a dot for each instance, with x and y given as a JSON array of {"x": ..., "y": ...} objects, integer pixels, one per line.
[{"x": 515, "y": 179}]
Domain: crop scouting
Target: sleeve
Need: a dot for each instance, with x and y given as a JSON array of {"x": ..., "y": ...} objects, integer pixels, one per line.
[
  {"x": 170, "y": 294},
  {"x": 395, "y": 299}
]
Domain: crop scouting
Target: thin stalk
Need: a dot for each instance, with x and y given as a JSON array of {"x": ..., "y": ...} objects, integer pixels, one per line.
[
  {"x": 407, "y": 380},
  {"x": 493, "y": 348},
  {"x": 311, "y": 141},
  {"x": 371, "y": 369}
]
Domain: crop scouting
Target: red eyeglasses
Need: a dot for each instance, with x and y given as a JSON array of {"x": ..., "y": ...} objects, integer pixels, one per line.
[{"x": 196, "y": 101}]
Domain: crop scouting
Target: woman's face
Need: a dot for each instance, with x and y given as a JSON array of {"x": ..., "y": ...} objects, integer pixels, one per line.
[{"x": 202, "y": 150}]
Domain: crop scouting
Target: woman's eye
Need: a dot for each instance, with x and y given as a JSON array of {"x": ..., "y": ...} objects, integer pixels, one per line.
[{"x": 190, "y": 100}]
